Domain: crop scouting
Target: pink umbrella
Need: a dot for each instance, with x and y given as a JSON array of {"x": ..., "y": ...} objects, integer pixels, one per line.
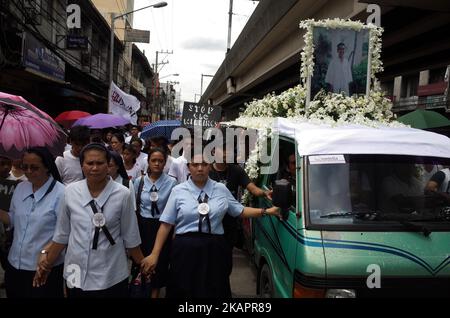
[
  {"x": 23, "y": 125},
  {"x": 67, "y": 118}
]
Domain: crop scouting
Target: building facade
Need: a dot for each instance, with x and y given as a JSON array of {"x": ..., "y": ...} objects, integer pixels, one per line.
[
  {"x": 55, "y": 53},
  {"x": 142, "y": 76},
  {"x": 122, "y": 62},
  {"x": 55, "y": 57},
  {"x": 132, "y": 72}
]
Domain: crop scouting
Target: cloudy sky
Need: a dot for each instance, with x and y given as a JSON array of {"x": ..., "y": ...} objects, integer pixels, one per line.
[{"x": 196, "y": 31}]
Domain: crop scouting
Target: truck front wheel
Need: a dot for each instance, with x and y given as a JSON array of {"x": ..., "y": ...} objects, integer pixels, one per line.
[{"x": 265, "y": 282}]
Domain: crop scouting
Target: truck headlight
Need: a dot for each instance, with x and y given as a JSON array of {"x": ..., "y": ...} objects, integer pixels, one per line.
[{"x": 340, "y": 293}]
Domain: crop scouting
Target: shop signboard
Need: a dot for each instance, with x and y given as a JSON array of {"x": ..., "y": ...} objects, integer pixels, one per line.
[
  {"x": 76, "y": 42},
  {"x": 41, "y": 60}
]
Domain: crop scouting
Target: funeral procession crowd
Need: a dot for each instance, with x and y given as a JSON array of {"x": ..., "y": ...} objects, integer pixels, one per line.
[
  {"x": 318, "y": 149},
  {"x": 74, "y": 226}
]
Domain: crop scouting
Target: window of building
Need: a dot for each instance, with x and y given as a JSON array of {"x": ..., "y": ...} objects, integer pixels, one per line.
[
  {"x": 437, "y": 75},
  {"x": 388, "y": 88},
  {"x": 409, "y": 86}
]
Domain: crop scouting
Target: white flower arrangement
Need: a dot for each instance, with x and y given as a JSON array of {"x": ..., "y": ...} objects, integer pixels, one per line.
[
  {"x": 334, "y": 109},
  {"x": 326, "y": 108},
  {"x": 288, "y": 104},
  {"x": 329, "y": 107},
  {"x": 372, "y": 110}
]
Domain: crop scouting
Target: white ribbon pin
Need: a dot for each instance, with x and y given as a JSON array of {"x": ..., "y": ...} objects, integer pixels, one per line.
[
  {"x": 153, "y": 196},
  {"x": 203, "y": 208},
  {"x": 99, "y": 220}
]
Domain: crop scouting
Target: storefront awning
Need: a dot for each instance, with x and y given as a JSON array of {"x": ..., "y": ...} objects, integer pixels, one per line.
[{"x": 67, "y": 92}]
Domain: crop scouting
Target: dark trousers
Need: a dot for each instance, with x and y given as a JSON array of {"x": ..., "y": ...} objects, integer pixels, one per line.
[
  {"x": 119, "y": 290},
  {"x": 4, "y": 249},
  {"x": 19, "y": 283},
  {"x": 3, "y": 259}
]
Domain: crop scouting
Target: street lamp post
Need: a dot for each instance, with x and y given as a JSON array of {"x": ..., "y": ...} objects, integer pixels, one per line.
[
  {"x": 230, "y": 20},
  {"x": 113, "y": 20},
  {"x": 201, "y": 83}
]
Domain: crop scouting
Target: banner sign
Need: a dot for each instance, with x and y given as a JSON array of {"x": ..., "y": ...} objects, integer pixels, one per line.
[
  {"x": 123, "y": 104},
  {"x": 38, "y": 58},
  {"x": 200, "y": 115}
]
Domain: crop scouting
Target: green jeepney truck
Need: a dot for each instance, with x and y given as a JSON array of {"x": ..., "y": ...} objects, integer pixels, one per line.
[{"x": 357, "y": 218}]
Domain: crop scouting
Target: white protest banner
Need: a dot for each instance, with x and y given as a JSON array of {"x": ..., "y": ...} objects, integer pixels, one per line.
[{"x": 123, "y": 104}]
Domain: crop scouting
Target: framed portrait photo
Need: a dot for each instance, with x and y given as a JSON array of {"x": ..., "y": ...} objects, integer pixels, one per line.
[{"x": 341, "y": 61}]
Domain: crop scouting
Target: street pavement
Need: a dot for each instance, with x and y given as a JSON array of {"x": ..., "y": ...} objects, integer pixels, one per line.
[{"x": 243, "y": 277}]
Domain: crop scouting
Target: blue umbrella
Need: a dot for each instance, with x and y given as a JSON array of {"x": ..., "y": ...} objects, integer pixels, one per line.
[{"x": 161, "y": 128}]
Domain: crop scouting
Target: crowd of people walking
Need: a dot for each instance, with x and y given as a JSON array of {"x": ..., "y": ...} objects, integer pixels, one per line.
[{"x": 72, "y": 224}]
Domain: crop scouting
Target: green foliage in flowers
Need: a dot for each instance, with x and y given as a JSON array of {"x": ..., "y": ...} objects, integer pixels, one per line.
[{"x": 359, "y": 74}]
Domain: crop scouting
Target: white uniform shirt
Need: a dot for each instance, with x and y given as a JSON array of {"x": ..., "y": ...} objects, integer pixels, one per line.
[
  {"x": 142, "y": 160},
  {"x": 119, "y": 180},
  {"x": 179, "y": 169},
  {"x": 69, "y": 168},
  {"x": 134, "y": 172},
  {"x": 169, "y": 161},
  {"x": 107, "y": 265},
  {"x": 128, "y": 140}
]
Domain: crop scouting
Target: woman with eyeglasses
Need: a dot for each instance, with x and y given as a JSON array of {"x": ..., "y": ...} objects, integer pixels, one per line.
[
  {"x": 33, "y": 214},
  {"x": 200, "y": 256}
]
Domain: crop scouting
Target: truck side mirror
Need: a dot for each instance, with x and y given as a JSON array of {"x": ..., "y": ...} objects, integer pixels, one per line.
[{"x": 282, "y": 196}]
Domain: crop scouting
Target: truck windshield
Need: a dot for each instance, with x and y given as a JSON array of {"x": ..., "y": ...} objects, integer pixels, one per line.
[{"x": 374, "y": 189}]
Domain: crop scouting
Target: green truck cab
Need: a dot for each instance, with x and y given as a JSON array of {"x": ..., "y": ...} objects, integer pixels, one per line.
[{"x": 357, "y": 221}]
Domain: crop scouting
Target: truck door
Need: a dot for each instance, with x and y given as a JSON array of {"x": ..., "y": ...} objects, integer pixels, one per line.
[{"x": 275, "y": 239}]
